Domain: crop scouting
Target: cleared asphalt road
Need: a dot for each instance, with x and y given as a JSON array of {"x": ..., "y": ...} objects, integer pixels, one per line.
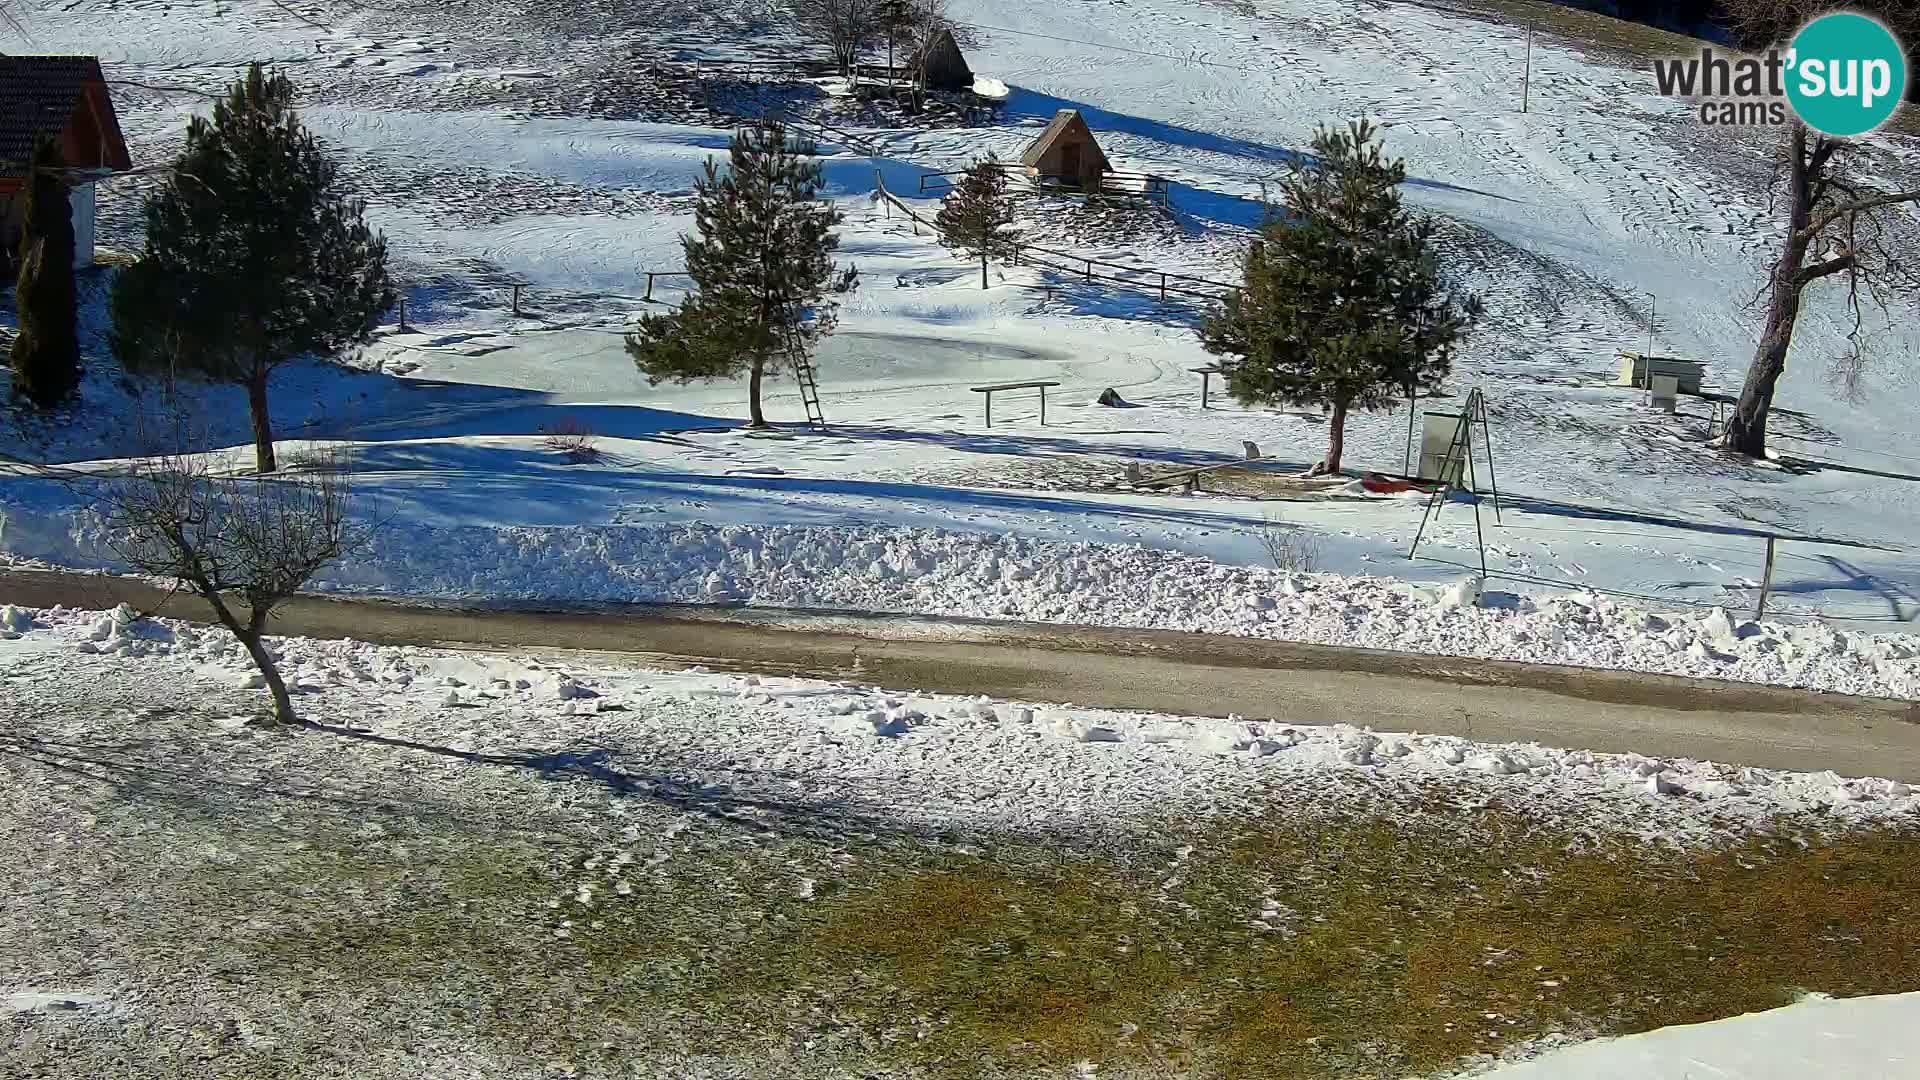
[{"x": 1144, "y": 670}]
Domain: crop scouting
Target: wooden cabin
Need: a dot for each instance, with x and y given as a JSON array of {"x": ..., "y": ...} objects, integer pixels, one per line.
[
  {"x": 1065, "y": 153},
  {"x": 942, "y": 64}
]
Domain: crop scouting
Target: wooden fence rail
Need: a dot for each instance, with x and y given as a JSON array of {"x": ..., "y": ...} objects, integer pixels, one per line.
[
  {"x": 1131, "y": 185},
  {"x": 1148, "y": 279}
]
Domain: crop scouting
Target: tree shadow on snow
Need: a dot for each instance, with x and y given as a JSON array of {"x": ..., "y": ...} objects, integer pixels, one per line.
[
  {"x": 1558, "y": 508},
  {"x": 449, "y": 410},
  {"x": 558, "y": 493},
  {"x": 1036, "y": 109}
]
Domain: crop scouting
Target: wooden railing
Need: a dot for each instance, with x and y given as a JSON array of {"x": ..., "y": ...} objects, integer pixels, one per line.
[
  {"x": 1114, "y": 182},
  {"x": 1085, "y": 267}
]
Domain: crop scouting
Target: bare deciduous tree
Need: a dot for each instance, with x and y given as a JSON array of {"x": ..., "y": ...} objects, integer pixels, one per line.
[
  {"x": 844, "y": 26},
  {"x": 244, "y": 544},
  {"x": 1293, "y": 548},
  {"x": 1836, "y": 224}
]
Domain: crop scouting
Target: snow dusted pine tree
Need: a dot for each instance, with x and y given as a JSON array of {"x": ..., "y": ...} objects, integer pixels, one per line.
[
  {"x": 1342, "y": 305},
  {"x": 253, "y": 255},
  {"x": 975, "y": 215},
  {"x": 46, "y": 352},
  {"x": 762, "y": 267}
]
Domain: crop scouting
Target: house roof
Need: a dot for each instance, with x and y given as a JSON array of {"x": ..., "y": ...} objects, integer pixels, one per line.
[
  {"x": 39, "y": 96},
  {"x": 1062, "y": 122},
  {"x": 941, "y": 55}
]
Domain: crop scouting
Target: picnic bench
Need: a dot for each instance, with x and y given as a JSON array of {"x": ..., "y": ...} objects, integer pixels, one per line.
[
  {"x": 1040, "y": 384},
  {"x": 1205, "y": 373}
]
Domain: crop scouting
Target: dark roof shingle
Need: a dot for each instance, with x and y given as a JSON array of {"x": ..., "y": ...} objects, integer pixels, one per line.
[{"x": 38, "y": 95}]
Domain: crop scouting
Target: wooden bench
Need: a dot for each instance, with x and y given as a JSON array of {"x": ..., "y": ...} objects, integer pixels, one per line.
[{"x": 1040, "y": 384}]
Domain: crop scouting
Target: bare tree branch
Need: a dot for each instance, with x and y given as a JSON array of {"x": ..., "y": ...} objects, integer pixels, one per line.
[
  {"x": 1820, "y": 221},
  {"x": 1831, "y": 266}
]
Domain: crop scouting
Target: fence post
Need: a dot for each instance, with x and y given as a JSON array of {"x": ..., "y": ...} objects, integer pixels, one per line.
[
  {"x": 649, "y": 284},
  {"x": 403, "y": 313},
  {"x": 1766, "y": 582},
  {"x": 516, "y": 301},
  {"x": 1089, "y": 269},
  {"x": 1163, "y": 286}
]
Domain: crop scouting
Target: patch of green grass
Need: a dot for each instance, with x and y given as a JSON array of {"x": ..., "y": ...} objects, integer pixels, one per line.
[
  {"x": 1601, "y": 36},
  {"x": 1385, "y": 945}
]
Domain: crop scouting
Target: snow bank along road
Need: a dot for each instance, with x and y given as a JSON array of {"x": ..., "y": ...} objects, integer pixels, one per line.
[{"x": 1621, "y": 712}]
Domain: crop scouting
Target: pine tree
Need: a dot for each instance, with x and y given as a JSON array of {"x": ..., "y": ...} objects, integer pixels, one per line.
[
  {"x": 975, "y": 215},
  {"x": 1342, "y": 305},
  {"x": 761, "y": 262},
  {"x": 253, "y": 256},
  {"x": 46, "y": 352}
]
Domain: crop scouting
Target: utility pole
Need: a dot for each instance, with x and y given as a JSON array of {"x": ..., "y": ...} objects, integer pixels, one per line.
[
  {"x": 1526, "y": 80},
  {"x": 1653, "y": 311}
]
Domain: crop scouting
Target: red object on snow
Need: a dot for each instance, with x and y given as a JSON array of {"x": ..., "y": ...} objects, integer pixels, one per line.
[{"x": 1382, "y": 485}]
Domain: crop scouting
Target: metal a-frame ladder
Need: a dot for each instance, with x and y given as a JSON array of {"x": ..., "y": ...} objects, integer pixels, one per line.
[{"x": 1459, "y": 462}]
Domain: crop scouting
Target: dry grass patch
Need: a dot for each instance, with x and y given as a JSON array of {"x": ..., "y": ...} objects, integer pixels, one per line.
[{"x": 1377, "y": 946}]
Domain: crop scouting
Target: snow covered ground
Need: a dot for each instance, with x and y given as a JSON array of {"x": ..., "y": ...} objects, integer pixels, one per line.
[
  {"x": 937, "y": 758},
  {"x": 488, "y": 161},
  {"x": 968, "y": 574},
  {"x": 561, "y": 801},
  {"x": 499, "y": 142},
  {"x": 1859, "y": 1037}
]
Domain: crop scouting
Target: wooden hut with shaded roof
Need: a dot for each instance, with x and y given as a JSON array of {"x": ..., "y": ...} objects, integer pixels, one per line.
[
  {"x": 1066, "y": 153},
  {"x": 942, "y": 65}
]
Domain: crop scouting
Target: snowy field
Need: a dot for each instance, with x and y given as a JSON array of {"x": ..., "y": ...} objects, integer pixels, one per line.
[
  {"x": 563, "y": 865},
  {"x": 558, "y": 864},
  {"x": 497, "y": 144}
]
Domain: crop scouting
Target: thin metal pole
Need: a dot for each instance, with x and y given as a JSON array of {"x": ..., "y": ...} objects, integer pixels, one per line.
[
  {"x": 1479, "y": 538},
  {"x": 1526, "y": 81},
  {"x": 1486, "y": 433},
  {"x": 403, "y": 313},
  {"x": 1653, "y": 314},
  {"x": 1406, "y": 464},
  {"x": 1043, "y": 406},
  {"x": 1766, "y": 582}
]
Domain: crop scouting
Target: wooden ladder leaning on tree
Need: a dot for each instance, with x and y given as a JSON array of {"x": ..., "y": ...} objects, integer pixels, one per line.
[{"x": 809, "y": 392}]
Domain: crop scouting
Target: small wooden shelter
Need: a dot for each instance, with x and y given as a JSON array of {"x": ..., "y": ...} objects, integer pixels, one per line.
[
  {"x": 1066, "y": 153},
  {"x": 942, "y": 65}
]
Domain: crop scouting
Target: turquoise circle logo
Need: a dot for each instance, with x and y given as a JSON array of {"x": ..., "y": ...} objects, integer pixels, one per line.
[{"x": 1847, "y": 73}]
